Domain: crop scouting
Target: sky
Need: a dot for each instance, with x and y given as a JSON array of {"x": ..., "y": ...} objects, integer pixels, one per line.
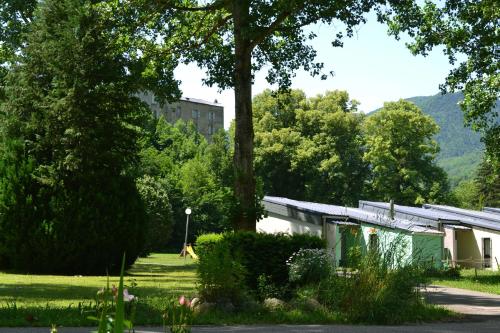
[{"x": 372, "y": 67}]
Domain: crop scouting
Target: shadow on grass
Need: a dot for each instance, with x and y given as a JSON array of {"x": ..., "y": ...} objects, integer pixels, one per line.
[
  {"x": 144, "y": 269},
  {"x": 38, "y": 292}
]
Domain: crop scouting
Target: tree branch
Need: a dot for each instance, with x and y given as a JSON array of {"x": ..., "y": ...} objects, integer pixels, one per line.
[
  {"x": 270, "y": 29},
  {"x": 218, "y": 4}
]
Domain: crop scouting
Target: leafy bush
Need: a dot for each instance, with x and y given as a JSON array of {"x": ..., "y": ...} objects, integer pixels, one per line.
[
  {"x": 267, "y": 289},
  {"x": 221, "y": 277},
  {"x": 206, "y": 242},
  {"x": 377, "y": 292},
  {"x": 267, "y": 254},
  {"x": 309, "y": 266},
  {"x": 239, "y": 259}
]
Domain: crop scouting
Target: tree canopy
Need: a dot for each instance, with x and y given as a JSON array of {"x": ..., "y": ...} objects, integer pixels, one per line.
[
  {"x": 309, "y": 148},
  {"x": 468, "y": 32},
  {"x": 401, "y": 152}
]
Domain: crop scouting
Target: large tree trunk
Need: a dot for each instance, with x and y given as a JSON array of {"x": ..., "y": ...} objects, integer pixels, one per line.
[{"x": 244, "y": 190}]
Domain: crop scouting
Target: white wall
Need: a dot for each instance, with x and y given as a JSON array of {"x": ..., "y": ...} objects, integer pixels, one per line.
[
  {"x": 479, "y": 234},
  {"x": 450, "y": 243},
  {"x": 278, "y": 223}
]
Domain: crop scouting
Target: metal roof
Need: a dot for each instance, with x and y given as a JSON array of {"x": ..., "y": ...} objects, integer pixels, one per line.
[
  {"x": 200, "y": 101},
  {"x": 340, "y": 212},
  {"x": 471, "y": 217},
  {"x": 415, "y": 211},
  {"x": 491, "y": 210}
]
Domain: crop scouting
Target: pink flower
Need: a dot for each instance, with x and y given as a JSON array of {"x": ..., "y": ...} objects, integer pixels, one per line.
[
  {"x": 184, "y": 301},
  {"x": 127, "y": 297}
]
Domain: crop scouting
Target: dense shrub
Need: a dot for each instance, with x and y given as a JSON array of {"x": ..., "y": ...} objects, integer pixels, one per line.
[
  {"x": 258, "y": 254},
  {"x": 309, "y": 266},
  {"x": 205, "y": 242},
  {"x": 221, "y": 277},
  {"x": 267, "y": 253}
]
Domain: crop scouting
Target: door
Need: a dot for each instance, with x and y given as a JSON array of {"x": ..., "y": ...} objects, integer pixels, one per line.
[{"x": 487, "y": 252}]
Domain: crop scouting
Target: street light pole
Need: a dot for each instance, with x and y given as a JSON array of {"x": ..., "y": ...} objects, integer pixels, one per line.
[{"x": 188, "y": 212}]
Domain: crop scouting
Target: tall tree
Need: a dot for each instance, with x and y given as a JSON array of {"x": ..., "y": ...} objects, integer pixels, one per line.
[
  {"x": 401, "y": 150},
  {"x": 232, "y": 39},
  {"x": 309, "y": 149},
  {"x": 69, "y": 129}
]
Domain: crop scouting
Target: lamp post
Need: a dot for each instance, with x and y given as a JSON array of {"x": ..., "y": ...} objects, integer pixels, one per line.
[{"x": 188, "y": 212}]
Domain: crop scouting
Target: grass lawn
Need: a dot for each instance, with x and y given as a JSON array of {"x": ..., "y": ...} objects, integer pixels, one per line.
[
  {"x": 485, "y": 281},
  {"x": 42, "y": 300},
  {"x": 68, "y": 300}
]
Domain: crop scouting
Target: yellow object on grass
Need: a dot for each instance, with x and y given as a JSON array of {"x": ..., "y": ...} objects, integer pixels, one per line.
[{"x": 190, "y": 250}]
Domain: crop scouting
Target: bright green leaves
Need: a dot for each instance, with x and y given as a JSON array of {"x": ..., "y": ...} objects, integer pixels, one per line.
[
  {"x": 469, "y": 34},
  {"x": 401, "y": 152},
  {"x": 314, "y": 151}
]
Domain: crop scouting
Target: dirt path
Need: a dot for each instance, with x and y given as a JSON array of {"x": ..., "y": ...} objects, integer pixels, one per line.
[{"x": 467, "y": 302}]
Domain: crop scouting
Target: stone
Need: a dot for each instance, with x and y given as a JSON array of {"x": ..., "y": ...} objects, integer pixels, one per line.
[
  {"x": 313, "y": 304},
  {"x": 195, "y": 302},
  {"x": 273, "y": 304},
  {"x": 205, "y": 307}
]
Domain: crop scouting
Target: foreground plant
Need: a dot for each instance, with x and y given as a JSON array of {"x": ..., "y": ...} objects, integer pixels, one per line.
[
  {"x": 108, "y": 298},
  {"x": 178, "y": 316}
]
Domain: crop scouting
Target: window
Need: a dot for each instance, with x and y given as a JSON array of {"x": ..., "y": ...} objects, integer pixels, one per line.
[
  {"x": 210, "y": 129},
  {"x": 211, "y": 116},
  {"x": 195, "y": 114},
  {"x": 178, "y": 112},
  {"x": 486, "y": 252},
  {"x": 373, "y": 242}
]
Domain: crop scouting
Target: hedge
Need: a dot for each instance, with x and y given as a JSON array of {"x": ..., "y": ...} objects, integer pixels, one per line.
[{"x": 260, "y": 253}]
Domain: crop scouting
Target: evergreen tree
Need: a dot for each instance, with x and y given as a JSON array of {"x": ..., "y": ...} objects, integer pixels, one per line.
[
  {"x": 488, "y": 182},
  {"x": 68, "y": 201}
]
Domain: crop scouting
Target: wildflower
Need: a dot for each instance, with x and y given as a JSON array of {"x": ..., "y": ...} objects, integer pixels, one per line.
[
  {"x": 128, "y": 297},
  {"x": 184, "y": 301}
]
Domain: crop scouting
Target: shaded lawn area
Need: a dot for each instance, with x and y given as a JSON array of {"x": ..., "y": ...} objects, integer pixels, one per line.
[
  {"x": 68, "y": 300},
  {"x": 43, "y": 300},
  {"x": 485, "y": 281}
]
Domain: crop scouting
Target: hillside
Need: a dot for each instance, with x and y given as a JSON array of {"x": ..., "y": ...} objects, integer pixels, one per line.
[
  {"x": 454, "y": 138},
  {"x": 461, "y": 147}
]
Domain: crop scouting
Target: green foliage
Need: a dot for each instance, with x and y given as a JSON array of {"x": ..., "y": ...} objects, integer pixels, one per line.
[
  {"x": 401, "y": 152},
  {"x": 195, "y": 174},
  {"x": 267, "y": 289},
  {"x": 267, "y": 253},
  {"x": 467, "y": 195},
  {"x": 221, "y": 277},
  {"x": 205, "y": 242},
  {"x": 240, "y": 260},
  {"x": 178, "y": 315},
  {"x": 382, "y": 290},
  {"x": 154, "y": 194},
  {"x": 309, "y": 266},
  {"x": 467, "y": 30},
  {"x": 461, "y": 168},
  {"x": 488, "y": 181},
  {"x": 69, "y": 124},
  {"x": 445, "y": 111},
  {"x": 317, "y": 142}
]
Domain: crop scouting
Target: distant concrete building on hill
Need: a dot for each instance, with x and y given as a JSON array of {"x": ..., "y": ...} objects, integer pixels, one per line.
[{"x": 208, "y": 117}]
